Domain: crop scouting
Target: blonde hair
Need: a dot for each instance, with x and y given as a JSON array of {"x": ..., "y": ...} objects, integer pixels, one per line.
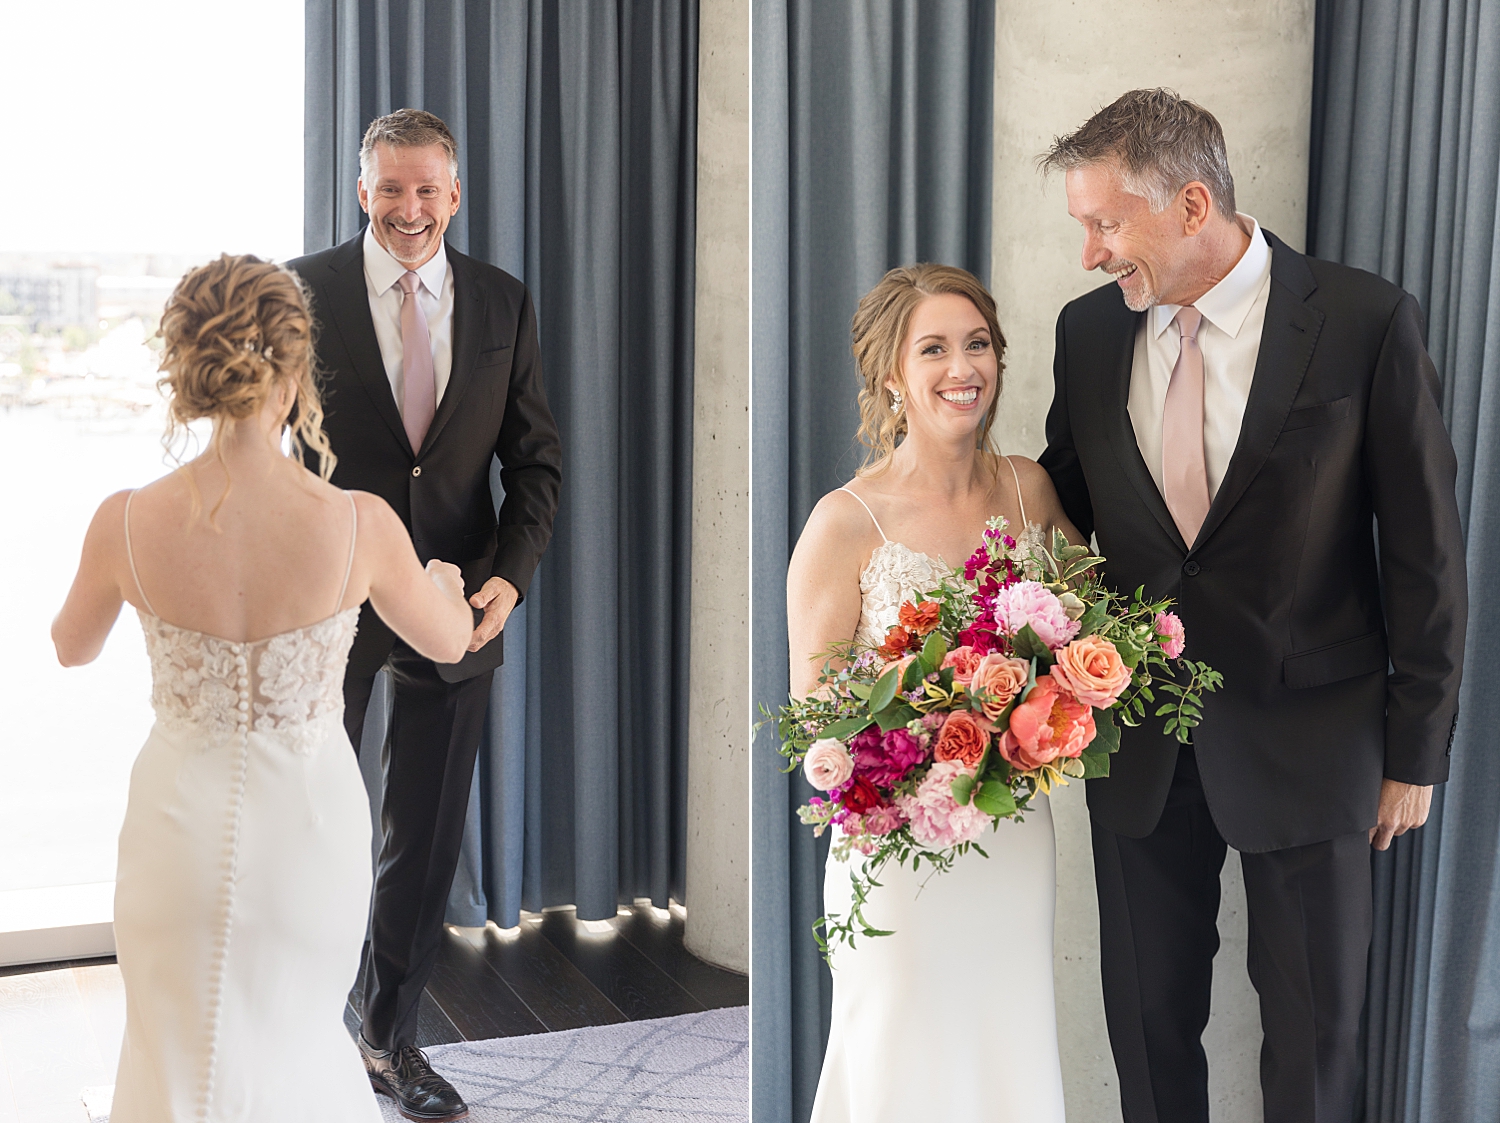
[
  {"x": 878, "y": 335},
  {"x": 232, "y": 330}
]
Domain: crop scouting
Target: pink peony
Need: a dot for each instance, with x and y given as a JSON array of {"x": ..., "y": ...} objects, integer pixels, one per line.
[
  {"x": 1170, "y": 634},
  {"x": 1091, "y": 669},
  {"x": 1028, "y": 602},
  {"x": 1001, "y": 678},
  {"x": 1049, "y": 724},
  {"x": 937, "y": 819},
  {"x": 827, "y": 764},
  {"x": 885, "y": 760}
]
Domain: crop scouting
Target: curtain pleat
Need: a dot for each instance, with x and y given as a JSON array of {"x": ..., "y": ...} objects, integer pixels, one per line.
[
  {"x": 871, "y": 139},
  {"x": 577, "y": 127},
  {"x": 1406, "y": 158}
]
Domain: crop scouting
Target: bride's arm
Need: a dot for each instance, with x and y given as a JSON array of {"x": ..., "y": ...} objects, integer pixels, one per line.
[
  {"x": 93, "y": 604},
  {"x": 1041, "y": 500},
  {"x": 822, "y": 586},
  {"x": 425, "y": 608}
]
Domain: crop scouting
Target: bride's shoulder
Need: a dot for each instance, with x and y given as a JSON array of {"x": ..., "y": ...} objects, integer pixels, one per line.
[{"x": 842, "y": 514}]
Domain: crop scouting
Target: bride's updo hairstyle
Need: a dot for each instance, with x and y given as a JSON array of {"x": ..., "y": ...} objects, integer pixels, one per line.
[
  {"x": 879, "y": 334},
  {"x": 233, "y": 329}
]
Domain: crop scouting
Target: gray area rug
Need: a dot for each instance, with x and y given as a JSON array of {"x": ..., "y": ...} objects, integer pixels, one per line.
[{"x": 694, "y": 1068}]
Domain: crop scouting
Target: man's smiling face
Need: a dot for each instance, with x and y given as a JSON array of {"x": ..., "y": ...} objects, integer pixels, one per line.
[
  {"x": 410, "y": 195},
  {"x": 1143, "y": 252}
]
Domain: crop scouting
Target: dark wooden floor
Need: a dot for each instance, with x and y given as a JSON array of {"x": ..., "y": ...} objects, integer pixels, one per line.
[
  {"x": 555, "y": 973},
  {"x": 60, "y": 1023}
]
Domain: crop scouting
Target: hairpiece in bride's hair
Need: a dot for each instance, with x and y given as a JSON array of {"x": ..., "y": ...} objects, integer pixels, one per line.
[{"x": 895, "y": 401}]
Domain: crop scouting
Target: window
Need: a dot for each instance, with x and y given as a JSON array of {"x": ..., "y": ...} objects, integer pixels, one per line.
[{"x": 146, "y": 138}]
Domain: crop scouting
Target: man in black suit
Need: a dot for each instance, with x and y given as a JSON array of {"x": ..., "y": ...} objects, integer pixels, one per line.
[
  {"x": 432, "y": 371},
  {"x": 1258, "y": 435}
]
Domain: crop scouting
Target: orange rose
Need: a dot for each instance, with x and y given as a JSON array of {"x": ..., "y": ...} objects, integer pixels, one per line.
[
  {"x": 962, "y": 739},
  {"x": 1001, "y": 678},
  {"x": 897, "y": 640},
  {"x": 1049, "y": 724},
  {"x": 1091, "y": 669},
  {"x": 963, "y": 660},
  {"x": 920, "y": 618}
]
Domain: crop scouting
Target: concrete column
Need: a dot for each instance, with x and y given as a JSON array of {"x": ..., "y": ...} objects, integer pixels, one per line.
[
  {"x": 1249, "y": 62},
  {"x": 718, "y": 857}
]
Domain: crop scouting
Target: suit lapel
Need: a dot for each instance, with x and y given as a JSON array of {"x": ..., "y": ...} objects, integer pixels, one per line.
[
  {"x": 1286, "y": 347},
  {"x": 468, "y": 319},
  {"x": 349, "y": 308},
  {"x": 1121, "y": 432}
]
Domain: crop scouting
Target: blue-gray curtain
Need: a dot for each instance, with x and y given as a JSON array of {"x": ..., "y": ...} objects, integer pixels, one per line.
[
  {"x": 576, "y": 125},
  {"x": 870, "y": 136},
  {"x": 1405, "y": 162}
]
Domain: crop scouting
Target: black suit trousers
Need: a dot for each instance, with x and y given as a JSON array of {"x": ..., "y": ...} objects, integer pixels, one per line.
[
  {"x": 1310, "y": 913},
  {"x": 428, "y": 770}
]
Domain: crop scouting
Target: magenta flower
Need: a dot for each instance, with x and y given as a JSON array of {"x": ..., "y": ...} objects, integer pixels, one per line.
[{"x": 885, "y": 760}]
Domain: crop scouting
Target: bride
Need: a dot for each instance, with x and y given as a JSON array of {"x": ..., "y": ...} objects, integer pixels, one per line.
[
  {"x": 244, "y": 865},
  {"x": 951, "y": 1017}
]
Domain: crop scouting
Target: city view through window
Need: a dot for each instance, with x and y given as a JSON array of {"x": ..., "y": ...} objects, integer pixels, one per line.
[{"x": 158, "y": 135}]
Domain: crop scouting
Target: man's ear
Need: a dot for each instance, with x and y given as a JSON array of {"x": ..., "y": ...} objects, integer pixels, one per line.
[
  {"x": 457, "y": 195},
  {"x": 1197, "y": 205},
  {"x": 364, "y": 196}
]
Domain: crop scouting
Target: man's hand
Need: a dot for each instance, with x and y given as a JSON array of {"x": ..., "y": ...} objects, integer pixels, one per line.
[
  {"x": 1403, "y": 807},
  {"x": 498, "y": 597}
]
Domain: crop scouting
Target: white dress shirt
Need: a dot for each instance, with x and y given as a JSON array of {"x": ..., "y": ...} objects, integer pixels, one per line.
[
  {"x": 1234, "y": 312},
  {"x": 434, "y": 297}
]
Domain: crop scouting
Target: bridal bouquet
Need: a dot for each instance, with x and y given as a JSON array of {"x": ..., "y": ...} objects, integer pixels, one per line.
[{"x": 1012, "y": 675}]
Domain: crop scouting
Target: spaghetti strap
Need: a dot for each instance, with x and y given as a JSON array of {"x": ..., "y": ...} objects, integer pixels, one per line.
[
  {"x": 1021, "y": 499},
  {"x": 869, "y": 512},
  {"x": 130, "y": 556},
  {"x": 349, "y": 565}
]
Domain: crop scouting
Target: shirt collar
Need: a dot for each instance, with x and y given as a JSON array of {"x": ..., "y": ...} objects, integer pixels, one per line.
[
  {"x": 383, "y": 270},
  {"x": 1228, "y": 303}
]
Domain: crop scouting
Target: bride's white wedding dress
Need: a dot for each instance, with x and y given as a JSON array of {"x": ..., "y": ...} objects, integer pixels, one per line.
[
  {"x": 243, "y": 882},
  {"x": 952, "y": 1017}
]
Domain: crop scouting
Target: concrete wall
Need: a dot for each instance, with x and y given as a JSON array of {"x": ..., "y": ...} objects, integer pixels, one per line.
[
  {"x": 1250, "y": 63},
  {"x": 718, "y": 857}
]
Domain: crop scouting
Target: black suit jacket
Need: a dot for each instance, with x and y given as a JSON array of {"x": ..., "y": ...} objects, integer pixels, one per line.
[
  {"x": 493, "y": 406},
  {"x": 1341, "y": 662}
]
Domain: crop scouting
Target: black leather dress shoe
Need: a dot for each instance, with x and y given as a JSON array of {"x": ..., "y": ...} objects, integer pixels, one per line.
[{"x": 420, "y": 1093}]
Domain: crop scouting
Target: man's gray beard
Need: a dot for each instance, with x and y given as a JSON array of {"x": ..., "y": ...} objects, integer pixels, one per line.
[{"x": 1144, "y": 300}]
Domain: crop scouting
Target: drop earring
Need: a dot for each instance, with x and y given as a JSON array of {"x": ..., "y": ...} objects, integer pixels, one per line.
[{"x": 895, "y": 401}]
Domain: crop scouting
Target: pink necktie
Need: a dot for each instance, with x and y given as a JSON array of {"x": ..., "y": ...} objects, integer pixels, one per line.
[
  {"x": 1183, "y": 471},
  {"x": 418, "y": 384}
]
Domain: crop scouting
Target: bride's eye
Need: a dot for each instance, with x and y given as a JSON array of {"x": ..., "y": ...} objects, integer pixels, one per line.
[
  {"x": 932, "y": 349},
  {"x": 979, "y": 344}
]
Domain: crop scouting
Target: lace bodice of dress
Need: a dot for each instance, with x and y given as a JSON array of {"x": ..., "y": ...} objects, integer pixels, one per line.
[
  {"x": 290, "y": 685},
  {"x": 895, "y": 572}
]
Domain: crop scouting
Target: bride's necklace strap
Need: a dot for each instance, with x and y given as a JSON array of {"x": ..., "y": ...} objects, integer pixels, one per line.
[
  {"x": 1019, "y": 497},
  {"x": 869, "y": 512},
  {"x": 349, "y": 565},
  {"x": 130, "y": 556}
]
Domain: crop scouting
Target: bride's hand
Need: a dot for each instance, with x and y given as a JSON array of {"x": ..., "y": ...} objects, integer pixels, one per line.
[{"x": 447, "y": 577}]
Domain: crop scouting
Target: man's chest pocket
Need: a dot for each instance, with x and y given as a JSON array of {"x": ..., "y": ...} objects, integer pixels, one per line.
[{"x": 1320, "y": 414}]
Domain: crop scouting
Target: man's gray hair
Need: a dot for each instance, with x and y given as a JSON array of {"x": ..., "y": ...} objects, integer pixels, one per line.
[
  {"x": 1159, "y": 143},
  {"x": 407, "y": 128}
]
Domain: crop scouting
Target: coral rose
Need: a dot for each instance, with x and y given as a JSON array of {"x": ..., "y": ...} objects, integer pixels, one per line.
[
  {"x": 860, "y": 796},
  {"x": 963, "y": 660},
  {"x": 1049, "y": 724},
  {"x": 920, "y": 618},
  {"x": 827, "y": 764},
  {"x": 1170, "y": 634},
  {"x": 1001, "y": 678},
  {"x": 1091, "y": 668},
  {"x": 963, "y": 739}
]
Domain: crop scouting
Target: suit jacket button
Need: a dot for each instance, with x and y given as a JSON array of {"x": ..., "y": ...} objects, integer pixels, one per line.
[
  {"x": 417, "y": 471},
  {"x": 1191, "y": 568}
]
